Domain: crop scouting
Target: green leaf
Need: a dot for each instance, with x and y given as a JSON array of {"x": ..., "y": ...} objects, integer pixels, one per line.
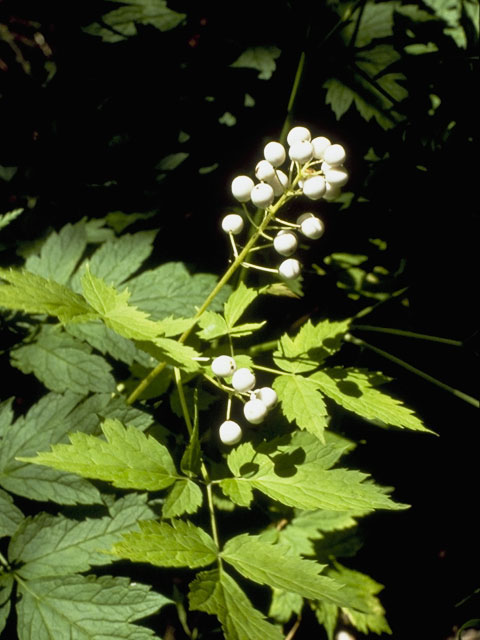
[
  {"x": 86, "y": 607},
  {"x": 178, "y": 544},
  {"x": 450, "y": 11},
  {"x": 175, "y": 353},
  {"x": 117, "y": 259},
  {"x": 6, "y": 587},
  {"x": 46, "y": 422},
  {"x": 128, "y": 458},
  {"x": 353, "y": 389},
  {"x": 191, "y": 461},
  {"x": 10, "y": 515},
  {"x": 217, "y": 593},
  {"x": 10, "y": 216},
  {"x": 115, "y": 311},
  {"x": 284, "y": 604},
  {"x": 213, "y": 325},
  {"x": 376, "y": 21},
  {"x": 239, "y": 492},
  {"x": 104, "y": 339},
  {"x": 301, "y": 402},
  {"x": 119, "y": 24},
  {"x": 311, "y": 345},
  {"x": 366, "y": 612},
  {"x": 260, "y": 58},
  {"x": 268, "y": 564},
  {"x": 63, "y": 363},
  {"x": 47, "y": 545},
  {"x": 6, "y": 416},
  {"x": 60, "y": 253},
  {"x": 170, "y": 290},
  {"x": 237, "y": 303},
  {"x": 185, "y": 497},
  {"x": 33, "y": 294},
  {"x": 297, "y": 480}
]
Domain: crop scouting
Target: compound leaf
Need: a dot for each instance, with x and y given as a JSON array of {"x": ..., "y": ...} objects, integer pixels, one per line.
[
  {"x": 353, "y": 389},
  {"x": 63, "y": 363},
  {"x": 301, "y": 402},
  {"x": 34, "y": 294},
  {"x": 178, "y": 544},
  {"x": 217, "y": 593},
  {"x": 49, "y": 545},
  {"x": 185, "y": 497},
  {"x": 86, "y": 607},
  {"x": 128, "y": 459}
]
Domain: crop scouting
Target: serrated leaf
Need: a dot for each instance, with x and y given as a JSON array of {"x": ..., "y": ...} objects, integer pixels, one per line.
[
  {"x": 376, "y": 21},
  {"x": 366, "y": 612},
  {"x": 170, "y": 290},
  {"x": 284, "y": 604},
  {"x": 60, "y": 253},
  {"x": 104, "y": 339},
  {"x": 47, "y": 545},
  {"x": 212, "y": 325},
  {"x": 46, "y": 422},
  {"x": 128, "y": 459},
  {"x": 175, "y": 353},
  {"x": 6, "y": 416},
  {"x": 239, "y": 492},
  {"x": 217, "y": 593},
  {"x": 121, "y": 23},
  {"x": 353, "y": 389},
  {"x": 185, "y": 497},
  {"x": 86, "y": 607},
  {"x": 301, "y": 402},
  {"x": 178, "y": 544},
  {"x": 10, "y": 216},
  {"x": 268, "y": 564},
  {"x": 116, "y": 312},
  {"x": 10, "y": 515},
  {"x": 175, "y": 326},
  {"x": 296, "y": 481},
  {"x": 260, "y": 58},
  {"x": 375, "y": 60},
  {"x": 33, "y": 294},
  {"x": 6, "y": 587},
  {"x": 237, "y": 303},
  {"x": 311, "y": 345},
  {"x": 63, "y": 363},
  {"x": 117, "y": 259}
]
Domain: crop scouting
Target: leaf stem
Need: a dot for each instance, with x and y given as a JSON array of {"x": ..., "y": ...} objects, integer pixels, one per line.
[
  {"x": 183, "y": 402},
  {"x": 408, "y": 334},
  {"x": 456, "y": 392},
  {"x": 3, "y": 560}
]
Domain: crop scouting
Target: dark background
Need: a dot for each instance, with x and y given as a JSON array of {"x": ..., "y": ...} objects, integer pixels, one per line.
[{"x": 84, "y": 125}]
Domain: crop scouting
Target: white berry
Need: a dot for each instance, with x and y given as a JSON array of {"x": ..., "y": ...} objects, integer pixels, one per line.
[
  {"x": 224, "y": 366},
  {"x": 279, "y": 182},
  {"x": 336, "y": 176},
  {"x": 232, "y": 223},
  {"x": 290, "y": 269},
  {"x": 254, "y": 411},
  {"x": 319, "y": 145},
  {"x": 285, "y": 243},
  {"x": 335, "y": 155},
  {"x": 311, "y": 226},
  {"x": 262, "y": 195},
  {"x": 301, "y": 151},
  {"x": 264, "y": 170},
  {"x": 314, "y": 187},
  {"x": 298, "y": 134},
  {"x": 275, "y": 153},
  {"x": 241, "y": 188},
  {"x": 268, "y": 396},
  {"x": 230, "y": 432},
  {"x": 243, "y": 379}
]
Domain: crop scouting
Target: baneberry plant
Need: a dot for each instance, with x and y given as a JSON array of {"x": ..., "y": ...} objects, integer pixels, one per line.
[{"x": 111, "y": 345}]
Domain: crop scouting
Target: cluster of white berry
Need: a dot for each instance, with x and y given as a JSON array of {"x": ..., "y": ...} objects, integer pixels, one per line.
[
  {"x": 243, "y": 381},
  {"x": 316, "y": 171}
]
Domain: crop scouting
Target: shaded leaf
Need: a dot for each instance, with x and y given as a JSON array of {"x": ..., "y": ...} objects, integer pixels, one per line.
[
  {"x": 10, "y": 515},
  {"x": 260, "y": 58}
]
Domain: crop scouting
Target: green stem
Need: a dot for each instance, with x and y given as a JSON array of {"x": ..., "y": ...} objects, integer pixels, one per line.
[
  {"x": 260, "y": 348},
  {"x": 3, "y": 560},
  {"x": 277, "y": 372},
  {"x": 215, "y": 291},
  {"x": 293, "y": 96},
  {"x": 408, "y": 334},
  {"x": 183, "y": 402},
  {"x": 459, "y": 394}
]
